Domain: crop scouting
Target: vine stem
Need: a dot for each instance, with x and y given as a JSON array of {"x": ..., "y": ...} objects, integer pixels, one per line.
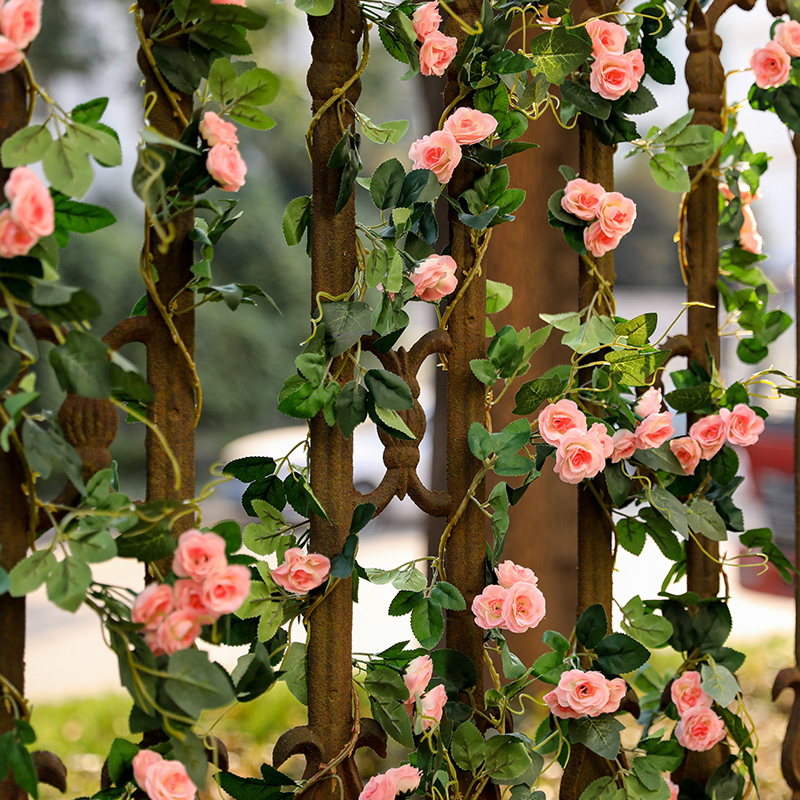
[{"x": 474, "y": 271}]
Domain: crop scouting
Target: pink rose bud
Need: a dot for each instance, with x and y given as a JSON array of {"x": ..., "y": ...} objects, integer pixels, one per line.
[
  {"x": 14, "y": 239},
  {"x": 432, "y": 705},
  {"x": 585, "y": 694},
  {"x": 600, "y": 432},
  {"x": 686, "y": 692},
  {"x": 709, "y": 433},
  {"x": 582, "y": 198},
  {"x": 579, "y": 456},
  {"x": 426, "y": 20},
  {"x": 770, "y": 65},
  {"x": 742, "y": 425},
  {"x": 649, "y": 403},
  {"x": 597, "y": 241},
  {"x": 624, "y": 445},
  {"x": 436, "y": 53},
  {"x": 226, "y": 166},
  {"x": 615, "y": 74},
  {"x": 31, "y": 203},
  {"x": 152, "y": 604},
  {"x": 21, "y": 21},
  {"x": 434, "y": 278},
  {"x": 616, "y": 214},
  {"x": 300, "y": 573},
  {"x": 745, "y": 194},
  {"x": 379, "y": 787},
  {"x": 142, "y": 761},
  {"x": 438, "y": 152},
  {"x": 699, "y": 729},
  {"x": 787, "y": 35},
  {"x": 225, "y": 591},
  {"x": 749, "y": 237},
  {"x": 168, "y": 780},
  {"x": 177, "y": 631},
  {"x": 508, "y": 573},
  {"x": 406, "y": 777},
  {"x": 470, "y": 126},
  {"x": 216, "y": 130},
  {"x": 559, "y": 418},
  {"x": 688, "y": 453},
  {"x": 199, "y": 555},
  {"x": 654, "y": 430},
  {"x": 10, "y": 55},
  {"x": 523, "y": 608},
  {"x": 607, "y": 37},
  {"x": 546, "y": 22},
  {"x": 488, "y": 607},
  {"x": 417, "y": 676},
  {"x": 673, "y": 789}
]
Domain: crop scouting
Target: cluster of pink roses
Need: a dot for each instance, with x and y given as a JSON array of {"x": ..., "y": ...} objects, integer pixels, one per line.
[
  {"x": 437, "y": 50},
  {"x": 224, "y": 162},
  {"x": 434, "y": 278},
  {"x": 740, "y": 426},
  {"x": 301, "y": 572},
  {"x": 387, "y": 785},
  {"x": 772, "y": 63},
  {"x": 20, "y": 22},
  {"x": 515, "y": 603},
  {"x": 162, "y": 779},
  {"x": 440, "y": 151},
  {"x": 207, "y": 587},
  {"x": 585, "y": 694},
  {"x": 614, "y": 72},
  {"x": 611, "y": 215},
  {"x": 30, "y": 216},
  {"x": 699, "y": 727},
  {"x": 749, "y": 237},
  {"x": 429, "y": 705}
]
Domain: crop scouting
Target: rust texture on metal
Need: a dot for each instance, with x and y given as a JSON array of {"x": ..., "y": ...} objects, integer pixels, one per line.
[{"x": 169, "y": 374}]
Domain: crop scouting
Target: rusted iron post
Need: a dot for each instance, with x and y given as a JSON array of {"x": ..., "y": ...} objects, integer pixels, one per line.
[{"x": 169, "y": 373}]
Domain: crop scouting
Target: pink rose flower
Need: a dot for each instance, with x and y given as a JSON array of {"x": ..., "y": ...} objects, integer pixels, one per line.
[
  {"x": 649, "y": 403},
  {"x": 607, "y": 37},
  {"x": 699, "y": 729},
  {"x": 654, "y": 430},
  {"x": 189, "y": 594},
  {"x": 470, "y": 126},
  {"x": 379, "y": 787},
  {"x": 406, "y": 777},
  {"x": 615, "y": 74},
  {"x": 417, "y": 676},
  {"x": 579, "y": 456},
  {"x": 616, "y": 214},
  {"x": 432, "y": 705},
  {"x": 749, "y": 237},
  {"x": 787, "y": 35},
  {"x": 31, "y": 203},
  {"x": 436, "y": 53},
  {"x": 426, "y": 19},
  {"x": 434, "y": 278},
  {"x": 673, "y": 789},
  {"x": 742, "y": 425},
  {"x": 300, "y": 573},
  {"x": 745, "y": 194},
  {"x": 709, "y": 433},
  {"x": 199, "y": 555},
  {"x": 10, "y": 55},
  {"x": 624, "y": 445},
  {"x": 21, "y": 21},
  {"x": 687, "y": 451},
  {"x": 14, "y": 239},
  {"x": 142, "y": 761},
  {"x": 582, "y": 198},
  {"x": 177, "y": 631},
  {"x": 438, "y": 152},
  {"x": 523, "y": 608},
  {"x": 686, "y": 692},
  {"x": 546, "y": 22},
  {"x": 227, "y": 2},
  {"x": 581, "y": 694},
  {"x": 600, "y": 432},
  {"x": 770, "y": 65},
  {"x": 559, "y": 418},
  {"x": 168, "y": 780},
  {"x": 226, "y": 166},
  {"x": 152, "y": 604},
  {"x": 508, "y": 574},
  {"x": 225, "y": 591},
  {"x": 597, "y": 241},
  {"x": 488, "y": 607},
  {"x": 216, "y": 130}
]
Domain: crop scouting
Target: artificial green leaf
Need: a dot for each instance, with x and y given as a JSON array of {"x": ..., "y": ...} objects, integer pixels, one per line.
[
  {"x": 468, "y": 748},
  {"x": 256, "y": 87},
  {"x": 558, "y": 52},
  {"x": 427, "y": 622},
  {"x": 195, "y": 683},
  {"x": 81, "y": 367},
  {"x": 647, "y": 628},
  {"x": 599, "y": 734},
  {"x": 30, "y": 573},
  {"x": 25, "y": 146},
  {"x": 68, "y": 582},
  {"x": 345, "y": 324},
  {"x": 67, "y": 168},
  {"x": 718, "y": 682},
  {"x": 102, "y": 146}
]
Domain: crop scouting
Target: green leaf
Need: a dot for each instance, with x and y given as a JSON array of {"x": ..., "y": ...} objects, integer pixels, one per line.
[
  {"x": 599, "y": 734},
  {"x": 670, "y": 508},
  {"x": 427, "y": 622},
  {"x": 119, "y": 761},
  {"x": 90, "y": 112},
  {"x": 81, "y": 367},
  {"x": 484, "y": 371},
  {"x": 647, "y": 628},
  {"x": 584, "y": 99},
  {"x": 618, "y": 483},
  {"x": 388, "y": 390},
  {"x": 345, "y": 324},
  {"x": 351, "y": 407},
  {"x": 619, "y": 653},
  {"x": 391, "y": 421},
  {"x": 558, "y": 52},
  {"x": 404, "y": 602},
  {"x": 703, "y": 519},
  {"x": 93, "y": 547},
  {"x": 195, "y": 683},
  {"x": 659, "y": 458},
  {"x": 99, "y": 144},
  {"x": 235, "y": 15},
  {"x": 67, "y": 168},
  {"x": 718, "y": 683},
  {"x": 383, "y": 683},
  {"x": 592, "y": 626},
  {"x": 386, "y": 185},
  {"x": 256, "y": 87},
  {"x": 506, "y": 758},
  {"x": 692, "y": 398},
  {"x": 498, "y": 295},
  {"x": 693, "y": 145},
  {"x": 192, "y": 754},
  {"x": 68, "y": 582},
  {"x": 513, "y": 668},
  {"x": 634, "y": 368},
  {"x": 30, "y": 573},
  {"x": 25, "y": 146},
  {"x": 80, "y": 217},
  {"x": 222, "y": 79},
  {"x": 252, "y": 117},
  {"x": 383, "y": 132},
  {"x": 468, "y": 748},
  {"x": 712, "y": 625},
  {"x": 250, "y": 468},
  {"x": 533, "y": 393},
  {"x": 387, "y": 693},
  {"x": 315, "y": 8},
  {"x": 447, "y": 596},
  {"x": 669, "y": 174}
]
